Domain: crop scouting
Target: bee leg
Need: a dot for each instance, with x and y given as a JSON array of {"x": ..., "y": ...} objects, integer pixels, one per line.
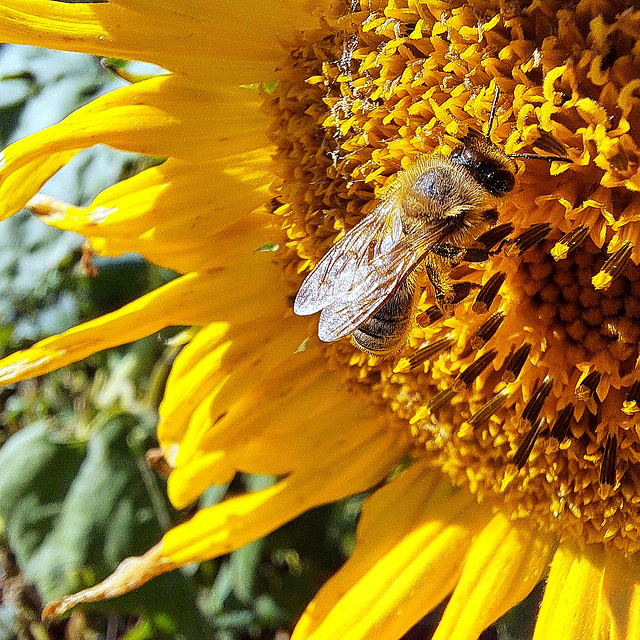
[
  {"x": 441, "y": 284},
  {"x": 452, "y": 254}
]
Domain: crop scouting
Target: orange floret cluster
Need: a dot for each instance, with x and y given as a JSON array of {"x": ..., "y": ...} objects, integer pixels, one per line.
[{"x": 530, "y": 388}]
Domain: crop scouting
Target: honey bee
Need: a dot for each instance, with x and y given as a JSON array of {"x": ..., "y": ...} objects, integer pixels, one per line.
[{"x": 366, "y": 285}]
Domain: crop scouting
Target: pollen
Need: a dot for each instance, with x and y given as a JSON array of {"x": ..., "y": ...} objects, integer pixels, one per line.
[{"x": 526, "y": 388}]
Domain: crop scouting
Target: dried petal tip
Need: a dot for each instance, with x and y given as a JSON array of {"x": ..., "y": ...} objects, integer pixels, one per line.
[
  {"x": 515, "y": 363},
  {"x": 560, "y": 429},
  {"x": 487, "y": 330},
  {"x": 489, "y": 291},
  {"x": 526, "y": 446},
  {"x": 528, "y": 238},
  {"x": 613, "y": 267},
  {"x": 587, "y": 387},
  {"x": 130, "y": 574},
  {"x": 609, "y": 455},
  {"x": 569, "y": 242},
  {"x": 425, "y": 353}
]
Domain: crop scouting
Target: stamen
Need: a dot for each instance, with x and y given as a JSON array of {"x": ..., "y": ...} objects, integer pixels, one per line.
[
  {"x": 489, "y": 408},
  {"x": 613, "y": 267},
  {"x": 630, "y": 404},
  {"x": 429, "y": 316},
  {"x": 460, "y": 291},
  {"x": 492, "y": 237},
  {"x": 560, "y": 429},
  {"x": 487, "y": 330},
  {"x": 608, "y": 468},
  {"x": 476, "y": 254},
  {"x": 423, "y": 354},
  {"x": 534, "y": 406},
  {"x": 440, "y": 399},
  {"x": 527, "y": 239},
  {"x": 569, "y": 243},
  {"x": 488, "y": 292},
  {"x": 515, "y": 363},
  {"x": 526, "y": 446},
  {"x": 466, "y": 377},
  {"x": 588, "y": 386}
]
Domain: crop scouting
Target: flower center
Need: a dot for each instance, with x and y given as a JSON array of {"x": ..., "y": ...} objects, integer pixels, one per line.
[{"x": 525, "y": 384}]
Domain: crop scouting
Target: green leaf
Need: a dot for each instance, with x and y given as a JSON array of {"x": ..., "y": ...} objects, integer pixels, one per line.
[{"x": 73, "y": 512}]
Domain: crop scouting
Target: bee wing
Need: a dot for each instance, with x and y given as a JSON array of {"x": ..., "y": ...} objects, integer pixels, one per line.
[
  {"x": 335, "y": 276},
  {"x": 377, "y": 280}
]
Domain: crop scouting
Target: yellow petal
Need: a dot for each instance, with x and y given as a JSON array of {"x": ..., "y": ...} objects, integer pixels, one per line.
[
  {"x": 573, "y": 607},
  {"x": 413, "y": 537},
  {"x": 195, "y": 299},
  {"x": 157, "y": 117},
  {"x": 19, "y": 185},
  {"x": 205, "y": 44},
  {"x": 270, "y": 410},
  {"x": 504, "y": 565},
  {"x": 622, "y": 593},
  {"x": 170, "y": 213}
]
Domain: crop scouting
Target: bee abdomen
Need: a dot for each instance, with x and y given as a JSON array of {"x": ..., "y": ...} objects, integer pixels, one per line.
[{"x": 384, "y": 331}]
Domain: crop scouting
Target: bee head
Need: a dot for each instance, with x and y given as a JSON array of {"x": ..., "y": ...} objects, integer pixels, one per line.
[{"x": 486, "y": 163}]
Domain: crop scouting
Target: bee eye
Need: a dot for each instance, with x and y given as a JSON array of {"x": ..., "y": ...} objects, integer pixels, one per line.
[{"x": 496, "y": 180}]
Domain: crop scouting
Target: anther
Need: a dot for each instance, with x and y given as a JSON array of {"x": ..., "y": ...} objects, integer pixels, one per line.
[
  {"x": 608, "y": 467},
  {"x": 560, "y": 429},
  {"x": 488, "y": 292},
  {"x": 631, "y": 402},
  {"x": 491, "y": 238},
  {"x": 489, "y": 408},
  {"x": 527, "y": 239},
  {"x": 588, "y": 385},
  {"x": 569, "y": 242},
  {"x": 487, "y": 330},
  {"x": 534, "y": 406},
  {"x": 466, "y": 377},
  {"x": 440, "y": 399},
  {"x": 515, "y": 363},
  {"x": 460, "y": 291},
  {"x": 428, "y": 351},
  {"x": 429, "y": 316},
  {"x": 476, "y": 254},
  {"x": 526, "y": 446},
  {"x": 613, "y": 267}
]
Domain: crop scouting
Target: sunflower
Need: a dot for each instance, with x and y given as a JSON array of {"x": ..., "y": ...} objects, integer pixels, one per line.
[{"x": 503, "y": 438}]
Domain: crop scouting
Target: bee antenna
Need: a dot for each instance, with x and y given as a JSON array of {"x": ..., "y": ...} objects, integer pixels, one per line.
[
  {"x": 493, "y": 112},
  {"x": 535, "y": 156}
]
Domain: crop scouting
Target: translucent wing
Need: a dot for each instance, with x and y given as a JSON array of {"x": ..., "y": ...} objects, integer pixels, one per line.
[
  {"x": 377, "y": 280},
  {"x": 335, "y": 276}
]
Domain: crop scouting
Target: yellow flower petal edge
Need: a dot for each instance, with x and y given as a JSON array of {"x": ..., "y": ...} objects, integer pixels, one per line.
[
  {"x": 504, "y": 564},
  {"x": 409, "y": 555},
  {"x": 621, "y": 588},
  {"x": 183, "y": 41},
  {"x": 195, "y": 299},
  {"x": 573, "y": 606},
  {"x": 244, "y": 428},
  {"x": 131, "y": 322},
  {"x": 157, "y": 117},
  {"x": 237, "y": 521},
  {"x": 168, "y": 213}
]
